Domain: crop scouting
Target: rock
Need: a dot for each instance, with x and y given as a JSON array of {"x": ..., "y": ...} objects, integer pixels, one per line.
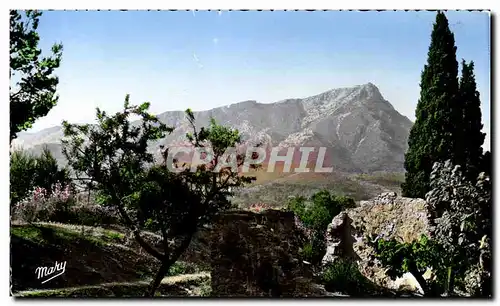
[
  {"x": 385, "y": 216},
  {"x": 407, "y": 282},
  {"x": 339, "y": 239}
]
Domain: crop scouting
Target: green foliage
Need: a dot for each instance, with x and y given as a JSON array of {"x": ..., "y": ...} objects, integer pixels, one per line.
[
  {"x": 182, "y": 267},
  {"x": 32, "y": 82},
  {"x": 22, "y": 167},
  {"x": 461, "y": 212},
  {"x": 415, "y": 257},
  {"x": 472, "y": 138},
  {"x": 343, "y": 276},
  {"x": 438, "y": 112},
  {"x": 448, "y": 116},
  {"x": 47, "y": 172},
  {"x": 117, "y": 163},
  {"x": 459, "y": 252},
  {"x": 307, "y": 252},
  {"x": 411, "y": 257},
  {"x": 28, "y": 171},
  {"x": 315, "y": 214},
  {"x": 205, "y": 288}
]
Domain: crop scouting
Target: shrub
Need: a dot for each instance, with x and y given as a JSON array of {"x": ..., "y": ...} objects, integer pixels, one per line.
[
  {"x": 22, "y": 167},
  {"x": 44, "y": 206},
  {"x": 307, "y": 252},
  {"x": 182, "y": 267},
  {"x": 89, "y": 214},
  {"x": 414, "y": 257},
  {"x": 28, "y": 171},
  {"x": 205, "y": 288},
  {"x": 62, "y": 205},
  {"x": 343, "y": 276},
  {"x": 312, "y": 218}
]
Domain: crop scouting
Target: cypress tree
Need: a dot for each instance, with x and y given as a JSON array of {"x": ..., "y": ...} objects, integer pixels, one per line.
[
  {"x": 432, "y": 137},
  {"x": 472, "y": 138}
]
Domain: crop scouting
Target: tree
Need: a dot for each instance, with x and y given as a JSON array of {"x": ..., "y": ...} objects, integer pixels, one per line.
[
  {"x": 22, "y": 167},
  {"x": 486, "y": 165},
  {"x": 459, "y": 250},
  {"x": 433, "y": 136},
  {"x": 32, "y": 82},
  {"x": 48, "y": 173},
  {"x": 28, "y": 171},
  {"x": 113, "y": 156},
  {"x": 472, "y": 138}
]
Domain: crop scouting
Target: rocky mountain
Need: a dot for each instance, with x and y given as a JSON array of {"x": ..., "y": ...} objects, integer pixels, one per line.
[{"x": 360, "y": 129}]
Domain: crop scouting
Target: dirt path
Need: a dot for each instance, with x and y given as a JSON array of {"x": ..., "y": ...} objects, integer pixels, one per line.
[{"x": 169, "y": 280}]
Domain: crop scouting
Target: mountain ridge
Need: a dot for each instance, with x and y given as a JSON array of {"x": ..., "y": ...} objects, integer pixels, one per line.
[{"x": 362, "y": 131}]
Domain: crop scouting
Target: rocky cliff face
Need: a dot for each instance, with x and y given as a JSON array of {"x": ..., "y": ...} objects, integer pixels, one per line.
[{"x": 359, "y": 128}]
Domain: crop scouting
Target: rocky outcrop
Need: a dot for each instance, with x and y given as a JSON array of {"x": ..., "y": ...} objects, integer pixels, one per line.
[
  {"x": 339, "y": 239},
  {"x": 389, "y": 215},
  {"x": 386, "y": 216}
]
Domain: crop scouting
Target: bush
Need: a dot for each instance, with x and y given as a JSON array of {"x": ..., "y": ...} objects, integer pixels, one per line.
[
  {"x": 44, "y": 206},
  {"x": 343, "y": 276},
  {"x": 307, "y": 252},
  {"x": 182, "y": 267},
  {"x": 62, "y": 205},
  {"x": 313, "y": 217},
  {"x": 22, "y": 167},
  {"x": 92, "y": 215},
  {"x": 28, "y": 172},
  {"x": 414, "y": 257}
]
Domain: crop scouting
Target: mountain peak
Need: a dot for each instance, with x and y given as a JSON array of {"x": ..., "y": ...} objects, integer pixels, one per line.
[
  {"x": 370, "y": 90},
  {"x": 361, "y": 130},
  {"x": 368, "y": 86}
]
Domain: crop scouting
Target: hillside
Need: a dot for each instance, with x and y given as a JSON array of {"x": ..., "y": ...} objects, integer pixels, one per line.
[{"x": 99, "y": 262}]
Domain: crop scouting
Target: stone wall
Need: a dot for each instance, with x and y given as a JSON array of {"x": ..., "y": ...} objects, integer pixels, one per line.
[{"x": 256, "y": 254}]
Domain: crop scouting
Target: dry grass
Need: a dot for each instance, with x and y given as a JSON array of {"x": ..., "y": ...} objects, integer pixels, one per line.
[
  {"x": 276, "y": 193},
  {"x": 387, "y": 179},
  {"x": 100, "y": 262},
  {"x": 129, "y": 289}
]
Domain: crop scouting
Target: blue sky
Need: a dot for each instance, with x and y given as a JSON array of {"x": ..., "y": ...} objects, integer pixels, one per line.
[{"x": 207, "y": 59}]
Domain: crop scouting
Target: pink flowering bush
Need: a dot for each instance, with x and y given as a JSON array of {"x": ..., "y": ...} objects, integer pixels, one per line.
[
  {"x": 41, "y": 205},
  {"x": 259, "y": 207},
  {"x": 62, "y": 205},
  {"x": 27, "y": 172}
]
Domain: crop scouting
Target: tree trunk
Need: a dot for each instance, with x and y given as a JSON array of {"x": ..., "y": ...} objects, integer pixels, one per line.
[
  {"x": 450, "y": 282},
  {"x": 165, "y": 266},
  {"x": 160, "y": 274}
]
